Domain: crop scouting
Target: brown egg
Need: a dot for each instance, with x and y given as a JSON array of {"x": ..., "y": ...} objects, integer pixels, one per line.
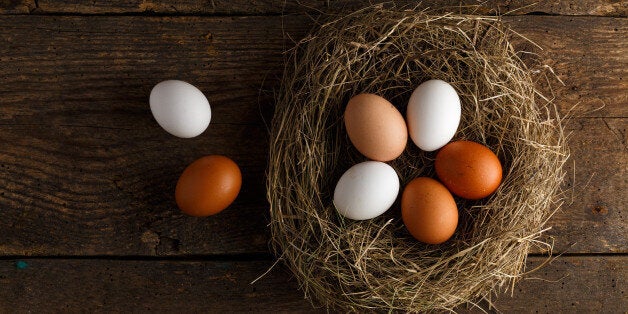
[
  {"x": 208, "y": 185},
  {"x": 468, "y": 169},
  {"x": 429, "y": 211},
  {"x": 375, "y": 127}
]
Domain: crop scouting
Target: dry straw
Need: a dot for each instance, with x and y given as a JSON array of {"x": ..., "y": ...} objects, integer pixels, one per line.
[{"x": 376, "y": 264}]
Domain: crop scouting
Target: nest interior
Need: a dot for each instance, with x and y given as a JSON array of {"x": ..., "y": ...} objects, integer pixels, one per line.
[{"x": 376, "y": 264}]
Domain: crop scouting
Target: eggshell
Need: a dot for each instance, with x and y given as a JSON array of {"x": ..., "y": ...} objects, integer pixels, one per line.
[
  {"x": 180, "y": 108},
  {"x": 429, "y": 211},
  {"x": 433, "y": 114},
  {"x": 208, "y": 186},
  {"x": 468, "y": 169},
  {"x": 366, "y": 190},
  {"x": 375, "y": 127}
]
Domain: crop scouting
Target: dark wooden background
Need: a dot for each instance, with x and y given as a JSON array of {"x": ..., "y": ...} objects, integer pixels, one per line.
[{"x": 87, "y": 216}]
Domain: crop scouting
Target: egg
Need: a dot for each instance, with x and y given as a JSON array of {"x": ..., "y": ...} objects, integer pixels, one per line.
[
  {"x": 433, "y": 114},
  {"x": 375, "y": 127},
  {"x": 429, "y": 211},
  {"x": 180, "y": 108},
  {"x": 208, "y": 186},
  {"x": 468, "y": 169},
  {"x": 366, "y": 190}
]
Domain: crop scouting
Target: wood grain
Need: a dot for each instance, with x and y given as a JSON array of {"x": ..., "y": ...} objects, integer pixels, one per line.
[
  {"x": 82, "y": 157},
  {"x": 587, "y": 54},
  {"x": 567, "y": 285},
  {"x": 578, "y": 284},
  {"x": 118, "y": 201},
  {"x": 262, "y": 7},
  {"x": 87, "y": 176},
  {"x": 593, "y": 218},
  {"x": 84, "y": 169},
  {"x": 17, "y": 6}
]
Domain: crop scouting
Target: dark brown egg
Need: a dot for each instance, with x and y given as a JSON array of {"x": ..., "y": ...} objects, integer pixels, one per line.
[
  {"x": 468, "y": 169},
  {"x": 208, "y": 186},
  {"x": 429, "y": 211}
]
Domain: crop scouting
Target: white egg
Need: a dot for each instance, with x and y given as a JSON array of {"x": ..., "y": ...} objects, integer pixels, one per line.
[
  {"x": 366, "y": 190},
  {"x": 180, "y": 108},
  {"x": 433, "y": 114}
]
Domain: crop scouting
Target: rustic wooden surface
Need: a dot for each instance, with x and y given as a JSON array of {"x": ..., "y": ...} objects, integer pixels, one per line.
[
  {"x": 87, "y": 176},
  {"x": 265, "y": 7},
  {"x": 569, "y": 284}
]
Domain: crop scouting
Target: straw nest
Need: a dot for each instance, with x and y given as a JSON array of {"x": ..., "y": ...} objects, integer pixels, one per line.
[{"x": 375, "y": 264}]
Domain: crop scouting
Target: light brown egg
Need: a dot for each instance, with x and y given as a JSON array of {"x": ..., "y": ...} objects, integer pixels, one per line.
[
  {"x": 468, "y": 169},
  {"x": 429, "y": 211},
  {"x": 208, "y": 186},
  {"x": 375, "y": 127}
]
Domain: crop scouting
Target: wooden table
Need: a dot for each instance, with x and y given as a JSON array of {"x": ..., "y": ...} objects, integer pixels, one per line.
[{"x": 87, "y": 216}]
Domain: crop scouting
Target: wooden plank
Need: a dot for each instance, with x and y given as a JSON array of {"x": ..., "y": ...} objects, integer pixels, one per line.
[
  {"x": 82, "y": 159},
  {"x": 569, "y": 284},
  {"x": 562, "y": 7}
]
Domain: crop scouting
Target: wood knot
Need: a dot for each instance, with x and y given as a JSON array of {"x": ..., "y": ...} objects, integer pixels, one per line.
[
  {"x": 599, "y": 210},
  {"x": 151, "y": 238}
]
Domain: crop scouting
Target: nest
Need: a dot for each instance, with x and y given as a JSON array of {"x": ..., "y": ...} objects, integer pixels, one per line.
[{"x": 376, "y": 264}]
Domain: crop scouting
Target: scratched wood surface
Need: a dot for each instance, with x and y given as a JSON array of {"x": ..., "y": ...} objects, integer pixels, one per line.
[{"x": 87, "y": 176}]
